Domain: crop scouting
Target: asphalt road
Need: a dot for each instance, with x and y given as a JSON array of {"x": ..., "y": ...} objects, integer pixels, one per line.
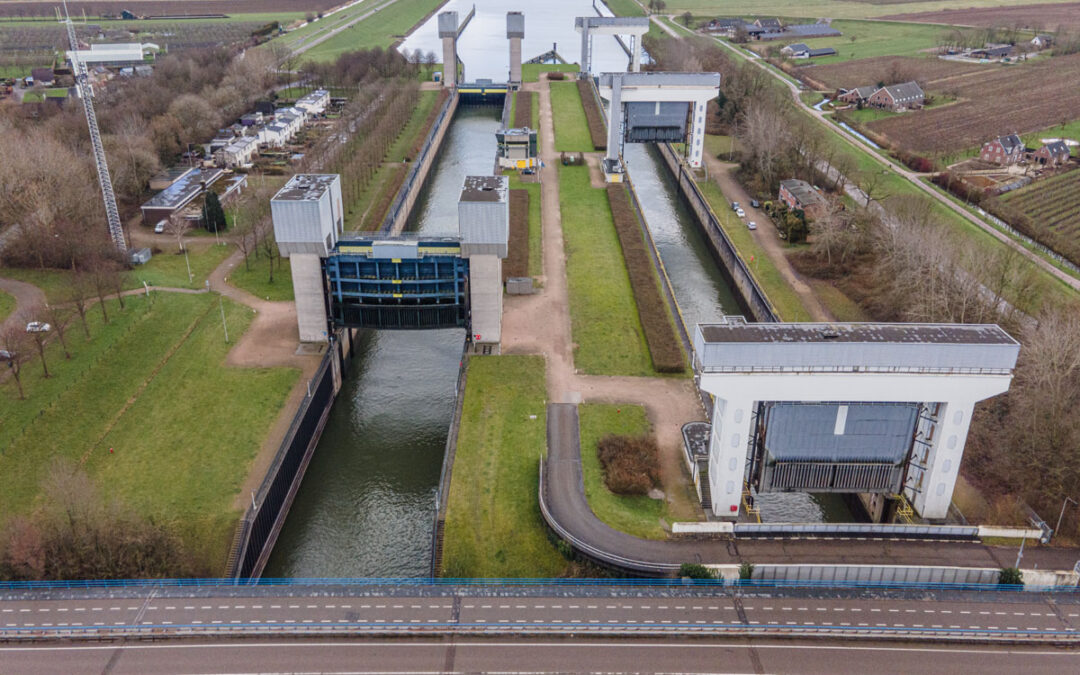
[
  {"x": 524, "y": 656},
  {"x": 541, "y": 610}
]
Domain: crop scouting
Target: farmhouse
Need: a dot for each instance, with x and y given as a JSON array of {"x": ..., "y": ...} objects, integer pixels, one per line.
[
  {"x": 43, "y": 76},
  {"x": 1052, "y": 154},
  {"x": 898, "y": 97},
  {"x": 725, "y": 25},
  {"x": 802, "y": 51},
  {"x": 1042, "y": 41},
  {"x": 769, "y": 25},
  {"x": 800, "y": 195},
  {"x": 992, "y": 51},
  {"x": 1003, "y": 150},
  {"x": 856, "y": 95}
]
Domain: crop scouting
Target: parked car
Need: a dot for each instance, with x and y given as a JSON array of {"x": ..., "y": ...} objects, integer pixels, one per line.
[
  {"x": 160, "y": 227},
  {"x": 751, "y": 225},
  {"x": 755, "y": 203},
  {"x": 5, "y": 355},
  {"x": 740, "y": 213},
  {"x": 527, "y": 172},
  {"x": 734, "y": 206},
  {"x": 38, "y": 327}
]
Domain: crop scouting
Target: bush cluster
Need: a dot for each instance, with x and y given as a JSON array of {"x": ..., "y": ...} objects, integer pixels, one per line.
[
  {"x": 667, "y": 355},
  {"x": 631, "y": 463},
  {"x": 597, "y": 128},
  {"x": 517, "y": 259}
]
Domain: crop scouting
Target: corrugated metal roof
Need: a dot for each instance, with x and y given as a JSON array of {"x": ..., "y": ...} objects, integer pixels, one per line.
[
  {"x": 666, "y": 114},
  {"x": 807, "y": 432}
]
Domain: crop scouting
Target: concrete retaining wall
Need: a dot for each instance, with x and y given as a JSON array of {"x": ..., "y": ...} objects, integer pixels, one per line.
[
  {"x": 401, "y": 208},
  {"x": 443, "y": 494},
  {"x": 751, "y": 295}
]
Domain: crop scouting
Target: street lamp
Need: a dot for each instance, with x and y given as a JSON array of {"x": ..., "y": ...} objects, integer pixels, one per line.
[{"x": 1060, "y": 515}]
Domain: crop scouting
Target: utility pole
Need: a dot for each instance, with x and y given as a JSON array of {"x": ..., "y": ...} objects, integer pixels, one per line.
[{"x": 1062, "y": 514}]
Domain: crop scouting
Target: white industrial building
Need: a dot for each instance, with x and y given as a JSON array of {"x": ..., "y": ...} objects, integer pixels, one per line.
[
  {"x": 484, "y": 226},
  {"x": 125, "y": 54},
  {"x": 859, "y": 408},
  {"x": 308, "y": 219}
]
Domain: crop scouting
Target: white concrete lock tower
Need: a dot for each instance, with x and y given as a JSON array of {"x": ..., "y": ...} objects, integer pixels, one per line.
[
  {"x": 515, "y": 33},
  {"x": 308, "y": 220},
  {"x": 448, "y": 31},
  {"x": 848, "y": 407}
]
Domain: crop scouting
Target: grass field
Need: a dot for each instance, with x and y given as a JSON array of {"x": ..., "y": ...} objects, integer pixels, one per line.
[
  {"x": 624, "y": 7},
  {"x": 780, "y": 294},
  {"x": 604, "y": 318},
  {"x": 253, "y": 17},
  {"x": 637, "y": 515},
  {"x": 867, "y": 39},
  {"x": 256, "y": 280},
  {"x": 568, "y": 116},
  {"x": 837, "y": 9},
  {"x": 536, "y": 245},
  {"x": 150, "y": 385},
  {"x": 530, "y": 72},
  {"x": 378, "y": 30},
  {"x": 7, "y": 305},
  {"x": 493, "y": 522}
]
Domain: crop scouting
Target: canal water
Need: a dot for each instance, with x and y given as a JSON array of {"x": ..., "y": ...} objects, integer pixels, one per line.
[{"x": 367, "y": 502}]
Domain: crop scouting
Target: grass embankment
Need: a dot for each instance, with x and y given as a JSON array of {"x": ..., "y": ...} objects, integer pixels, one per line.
[
  {"x": 536, "y": 244},
  {"x": 7, "y": 305},
  {"x": 493, "y": 522},
  {"x": 381, "y": 29},
  {"x": 255, "y": 278},
  {"x": 151, "y": 385},
  {"x": 604, "y": 319},
  {"x": 656, "y": 320},
  {"x": 593, "y": 114},
  {"x": 568, "y": 115},
  {"x": 638, "y": 515},
  {"x": 530, "y": 72},
  {"x": 165, "y": 269},
  {"x": 624, "y": 8}
]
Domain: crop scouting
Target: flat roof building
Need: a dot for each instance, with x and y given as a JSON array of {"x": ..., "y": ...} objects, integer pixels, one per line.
[{"x": 179, "y": 194}]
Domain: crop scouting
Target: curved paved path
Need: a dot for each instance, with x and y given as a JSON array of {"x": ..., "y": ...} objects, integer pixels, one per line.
[{"x": 26, "y": 295}]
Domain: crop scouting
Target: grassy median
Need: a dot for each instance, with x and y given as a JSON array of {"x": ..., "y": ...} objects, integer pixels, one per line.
[
  {"x": 638, "y": 515},
  {"x": 603, "y": 315},
  {"x": 568, "y": 116},
  {"x": 493, "y": 522},
  {"x": 147, "y": 407}
]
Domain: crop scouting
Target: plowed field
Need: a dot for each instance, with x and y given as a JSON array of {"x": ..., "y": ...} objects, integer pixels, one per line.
[
  {"x": 1011, "y": 99},
  {"x": 1040, "y": 17}
]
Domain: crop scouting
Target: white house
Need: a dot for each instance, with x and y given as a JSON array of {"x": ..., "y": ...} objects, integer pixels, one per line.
[
  {"x": 239, "y": 152},
  {"x": 274, "y": 135},
  {"x": 315, "y": 102}
]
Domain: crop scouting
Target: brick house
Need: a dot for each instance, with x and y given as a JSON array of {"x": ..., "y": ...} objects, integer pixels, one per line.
[
  {"x": 1003, "y": 150},
  {"x": 856, "y": 95},
  {"x": 798, "y": 194},
  {"x": 898, "y": 97},
  {"x": 1053, "y": 154}
]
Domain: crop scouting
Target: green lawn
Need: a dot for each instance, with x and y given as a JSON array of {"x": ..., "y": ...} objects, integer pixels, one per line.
[
  {"x": 568, "y": 117},
  {"x": 152, "y": 386},
  {"x": 604, "y": 319},
  {"x": 256, "y": 278},
  {"x": 379, "y": 30},
  {"x": 783, "y": 298},
  {"x": 170, "y": 269},
  {"x": 530, "y": 72},
  {"x": 845, "y": 9},
  {"x": 636, "y": 515},
  {"x": 493, "y": 522},
  {"x": 719, "y": 146},
  {"x": 867, "y": 39},
  {"x": 536, "y": 244},
  {"x": 624, "y": 7},
  {"x": 7, "y": 305},
  {"x": 868, "y": 114}
]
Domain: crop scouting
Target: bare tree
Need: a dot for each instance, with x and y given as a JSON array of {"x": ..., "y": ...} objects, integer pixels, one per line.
[
  {"x": 16, "y": 344},
  {"x": 178, "y": 226},
  {"x": 60, "y": 318},
  {"x": 37, "y": 337},
  {"x": 78, "y": 293},
  {"x": 269, "y": 247}
]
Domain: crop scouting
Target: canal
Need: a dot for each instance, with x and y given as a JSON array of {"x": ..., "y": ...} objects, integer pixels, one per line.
[{"x": 366, "y": 504}]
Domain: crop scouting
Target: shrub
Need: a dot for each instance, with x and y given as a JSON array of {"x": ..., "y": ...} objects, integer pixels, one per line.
[
  {"x": 664, "y": 347},
  {"x": 1010, "y": 576},
  {"x": 746, "y": 571},
  {"x": 695, "y": 571},
  {"x": 517, "y": 259},
  {"x": 597, "y": 127},
  {"x": 631, "y": 463}
]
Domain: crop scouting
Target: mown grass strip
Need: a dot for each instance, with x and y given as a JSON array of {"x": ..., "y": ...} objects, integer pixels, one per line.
[
  {"x": 667, "y": 354},
  {"x": 493, "y": 522},
  {"x": 603, "y": 315},
  {"x": 571, "y": 125}
]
